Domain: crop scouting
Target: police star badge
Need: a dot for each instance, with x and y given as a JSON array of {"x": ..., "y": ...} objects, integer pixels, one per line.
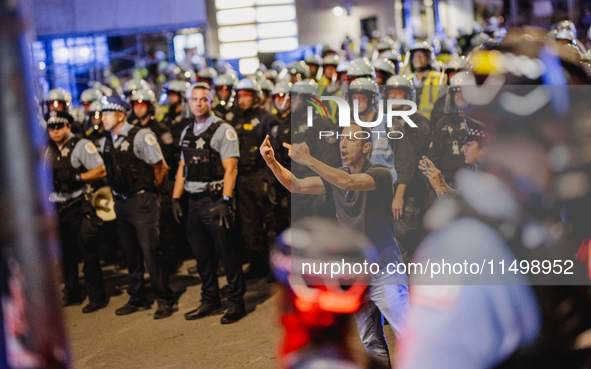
[
  {"x": 124, "y": 146},
  {"x": 200, "y": 143}
]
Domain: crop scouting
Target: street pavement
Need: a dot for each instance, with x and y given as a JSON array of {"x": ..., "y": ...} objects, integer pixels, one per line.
[{"x": 137, "y": 341}]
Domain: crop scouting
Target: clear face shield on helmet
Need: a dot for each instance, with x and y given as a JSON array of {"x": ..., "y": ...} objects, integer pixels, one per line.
[
  {"x": 362, "y": 101},
  {"x": 285, "y": 102},
  {"x": 454, "y": 101}
]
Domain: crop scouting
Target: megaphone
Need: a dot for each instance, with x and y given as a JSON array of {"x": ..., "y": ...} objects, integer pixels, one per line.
[{"x": 103, "y": 203}]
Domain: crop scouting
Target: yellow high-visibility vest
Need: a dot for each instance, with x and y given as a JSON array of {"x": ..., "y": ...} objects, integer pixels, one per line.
[
  {"x": 430, "y": 92},
  {"x": 323, "y": 82}
]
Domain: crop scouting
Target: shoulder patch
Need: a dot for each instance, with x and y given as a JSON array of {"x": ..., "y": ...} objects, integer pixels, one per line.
[
  {"x": 90, "y": 148},
  {"x": 166, "y": 138},
  {"x": 150, "y": 139},
  {"x": 231, "y": 134}
]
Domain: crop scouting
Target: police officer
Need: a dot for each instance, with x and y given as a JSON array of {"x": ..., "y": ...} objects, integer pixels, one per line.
[
  {"x": 395, "y": 58},
  {"x": 447, "y": 51},
  {"x": 282, "y": 102},
  {"x": 384, "y": 70},
  {"x": 255, "y": 187},
  {"x": 207, "y": 171},
  {"x": 326, "y": 150},
  {"x": 456, "y": 65},
  {"x": 271, "y": 75},
  {"x": 224, "y": 94},
  {"x": 329, "y": 68},
  {"x": 450, "y": 131},
  {"x": 93, "y": 125},
  {"x": 426, "y": 79},
  {"x": 298, "y": 71},
  {"x": 336, "y": 89},
  {"x": 89, "y": 96},
  {"x": 175, "y": 119},
  {"x": 175, "y": 97},
  {"x": 473, "y": 150},
  {"x": 75, "y": 162},
  {"x": 411, "y": 192},
  {"x": 266, "y": 88},
  {"x": 136, "y": 171},
  {"x": 207, "y": 75},
  {"x": 129, "y": 87},
  {"x": 59, "y": 99},
  {"x": 135, "y": 84},
  {"x": 361, "y": 68},
  {"x": 314, "y": 62},
  {"x": 142, "y": 104},
  {"x": 109, "y": 245}
]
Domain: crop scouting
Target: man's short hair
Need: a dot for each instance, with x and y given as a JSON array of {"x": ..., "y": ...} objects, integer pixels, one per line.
[{"x": 202, "y": 86}]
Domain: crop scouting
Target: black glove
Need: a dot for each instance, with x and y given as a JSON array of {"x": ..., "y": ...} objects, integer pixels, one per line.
[
  {"x": 225, "y": 211},
  {"x": 177, "y": 212}
]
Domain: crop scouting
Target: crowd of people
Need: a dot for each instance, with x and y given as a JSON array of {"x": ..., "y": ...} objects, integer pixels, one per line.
[{"x": 232, "y": 163}]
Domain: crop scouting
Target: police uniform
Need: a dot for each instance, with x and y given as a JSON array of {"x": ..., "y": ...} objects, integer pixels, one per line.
[
  {"x": 176, "y": 123},
  {"x": 204, "y": 146},
  {"x": 226, "y": 112},
  {"x": 78, "y": 223},
  {"x": 166, "y": 223},
  {"x": 446, "y": 147},
  {"x": 282, "y": 133},
  {"x": 255, "y": 187},
  {"x": 129, "y": 158},
  {"x": 401, "y": 158},
  {"x": 163, "y": 135}
]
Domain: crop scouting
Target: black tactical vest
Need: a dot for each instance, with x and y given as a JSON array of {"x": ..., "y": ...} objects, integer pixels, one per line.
[
  {"x": 127, "y": 173},
  {"x": 64, "y": 174},
  {"x": 247, "y": 127},
  {"x": 202, "y": 163}
]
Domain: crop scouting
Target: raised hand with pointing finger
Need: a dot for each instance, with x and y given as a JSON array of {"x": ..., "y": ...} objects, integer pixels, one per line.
[{"x": 267, "y": 151}]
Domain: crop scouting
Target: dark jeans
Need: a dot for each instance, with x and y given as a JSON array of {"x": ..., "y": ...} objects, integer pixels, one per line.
[
  {"x": 137, "y": 226},
  {"x": 210, "y": 242},
  {"x": 79, "y": 229}
]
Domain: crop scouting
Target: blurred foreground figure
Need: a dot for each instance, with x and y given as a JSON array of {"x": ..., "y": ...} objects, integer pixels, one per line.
[
  {"x": 315, "y": 307},
  {"x": 506, "y": 212}
]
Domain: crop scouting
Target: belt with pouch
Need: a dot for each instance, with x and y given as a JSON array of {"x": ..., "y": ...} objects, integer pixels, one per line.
[
  {"x": 127, "y": 196},
  {"x": 63, "y": 205},
  {"x": 213, "y": 190}
]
